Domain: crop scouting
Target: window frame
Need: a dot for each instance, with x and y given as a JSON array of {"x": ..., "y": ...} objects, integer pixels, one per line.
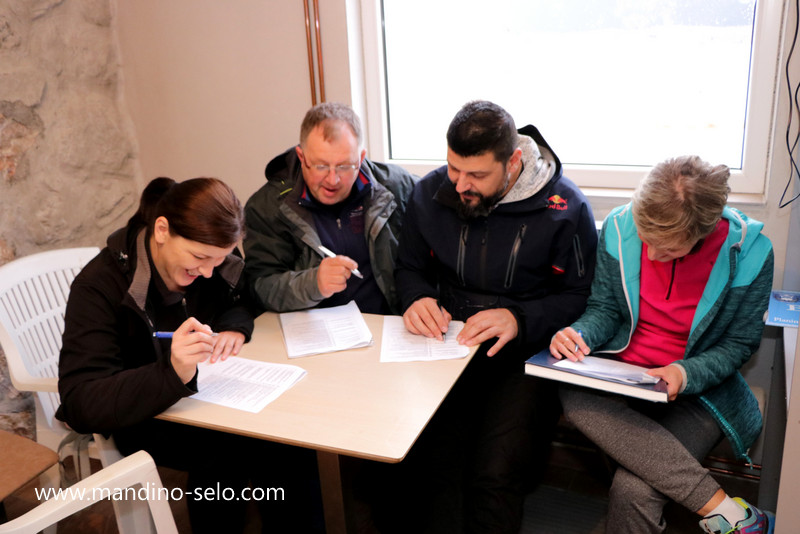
[{"x": 748, "y": 185}]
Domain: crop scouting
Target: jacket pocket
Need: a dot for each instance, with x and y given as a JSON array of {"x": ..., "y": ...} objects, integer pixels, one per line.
[
  {"x": 462, "y": 254},
  {"x": 580, "y": 265},
  {"x": 512, "y": 258}
]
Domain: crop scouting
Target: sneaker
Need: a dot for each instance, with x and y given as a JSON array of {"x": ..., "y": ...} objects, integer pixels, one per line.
[{"x": 754, "y": 522}]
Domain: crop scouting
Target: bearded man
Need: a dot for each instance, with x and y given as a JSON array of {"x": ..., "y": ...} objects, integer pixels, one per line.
[{"x": 500, "y": 239}]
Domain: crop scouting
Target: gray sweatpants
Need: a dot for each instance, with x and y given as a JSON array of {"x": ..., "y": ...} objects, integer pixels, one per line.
[{"x": 658, "y": 448}]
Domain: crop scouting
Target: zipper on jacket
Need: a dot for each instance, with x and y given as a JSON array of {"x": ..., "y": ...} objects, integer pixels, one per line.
[
  {"x": 462, "y": 252},
  {"x": 483, "y": 256},
  {"x": 512, "y": 259},
  {"x": 579, "y": 263},
  {"x": 185, "y": 308},
  {"x": 671, "y": 279},
  {"x": 727, "y": 429}
]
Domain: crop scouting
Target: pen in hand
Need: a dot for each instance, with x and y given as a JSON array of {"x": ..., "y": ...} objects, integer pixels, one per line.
[
  {"x": 444, "y": 334},
  {"x": 576, "y": 345},
  {"x": 168, "y": 335},
  {"x": 328, "y": 252}
]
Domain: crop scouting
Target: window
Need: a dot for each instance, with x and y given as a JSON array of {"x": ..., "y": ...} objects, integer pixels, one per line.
[{"x": 615, "y": 86}]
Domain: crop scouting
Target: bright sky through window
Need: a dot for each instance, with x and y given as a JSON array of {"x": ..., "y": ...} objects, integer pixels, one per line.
[{"x": 608, "y": 82}]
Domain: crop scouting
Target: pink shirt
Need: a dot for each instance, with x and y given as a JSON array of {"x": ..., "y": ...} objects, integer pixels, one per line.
[{"x": 668, "y": 297}]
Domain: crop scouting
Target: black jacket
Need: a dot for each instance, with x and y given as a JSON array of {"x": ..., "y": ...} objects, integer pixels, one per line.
[
  {"x": 112, "y": 373},
  {"x": 535, "y": 256}
]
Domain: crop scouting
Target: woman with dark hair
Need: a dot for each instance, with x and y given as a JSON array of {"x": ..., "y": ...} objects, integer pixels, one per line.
[{"x": 175, "y": 267}]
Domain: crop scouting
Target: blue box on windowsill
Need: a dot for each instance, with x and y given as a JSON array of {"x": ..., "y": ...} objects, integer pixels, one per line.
[{"x": 784, "y": 308}]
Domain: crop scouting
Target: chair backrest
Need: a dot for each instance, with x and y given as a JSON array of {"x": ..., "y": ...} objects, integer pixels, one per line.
[
  {"x": 33, "y": 297},
  {"x": 134, "y": 477}
]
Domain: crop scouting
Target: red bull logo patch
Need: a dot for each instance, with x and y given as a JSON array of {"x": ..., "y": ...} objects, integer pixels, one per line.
[{"x": 556, "y": 203}]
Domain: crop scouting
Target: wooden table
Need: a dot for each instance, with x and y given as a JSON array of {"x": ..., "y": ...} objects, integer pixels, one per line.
[{"x": 348, "y": 404}]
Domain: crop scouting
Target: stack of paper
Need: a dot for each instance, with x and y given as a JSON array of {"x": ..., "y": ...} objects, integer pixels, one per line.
[
  {"x": 604, "y": 374},
  {"x": 321, "y": 330},
  {"x": 244, "y": 384},
  {"x": 609, "y": 369},
  {"x": 400, "y": 345}
]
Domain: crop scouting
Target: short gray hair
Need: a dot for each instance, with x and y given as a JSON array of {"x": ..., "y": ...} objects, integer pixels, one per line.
[
  {"x": 681, "y": 199},
  {"x": 328, "y": 114}
]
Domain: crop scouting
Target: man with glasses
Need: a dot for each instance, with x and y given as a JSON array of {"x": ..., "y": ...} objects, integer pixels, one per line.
[{"x": 323, "y": 230}]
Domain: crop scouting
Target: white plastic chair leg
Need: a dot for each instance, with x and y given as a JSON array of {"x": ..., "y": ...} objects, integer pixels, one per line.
[{"x": 131, "y": 515}]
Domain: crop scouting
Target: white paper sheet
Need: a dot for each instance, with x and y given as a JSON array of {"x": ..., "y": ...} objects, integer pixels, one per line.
[
  {"x": 606, "y": 368},
  {"x": 400, "y": 345},
  {"x": 244, "y": 384},
  {"x": 323, "y": 330}
]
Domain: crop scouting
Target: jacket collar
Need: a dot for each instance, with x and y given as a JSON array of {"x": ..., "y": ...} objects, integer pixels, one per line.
[
  {"x": 627, "y": 247},
  {"x": 128, "y": 247},
  {"x": 361, "y": 187},
  {"x": 141, "y": 276},
  {"x": 538, "y": 167}
]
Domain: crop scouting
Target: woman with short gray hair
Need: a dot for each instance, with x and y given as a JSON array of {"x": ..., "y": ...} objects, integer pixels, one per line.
[{"x": 681, "y": 286}]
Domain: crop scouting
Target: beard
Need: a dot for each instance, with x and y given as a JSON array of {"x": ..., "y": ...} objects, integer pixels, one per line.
[
  {"x": 483, "y": 205},
  {"x": 481, "y": 208}
]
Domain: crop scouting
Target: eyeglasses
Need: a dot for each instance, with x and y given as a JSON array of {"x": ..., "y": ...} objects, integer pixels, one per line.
[{"x": 344, "y": 172}]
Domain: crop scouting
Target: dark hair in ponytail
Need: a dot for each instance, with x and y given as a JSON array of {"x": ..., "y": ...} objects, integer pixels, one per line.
[{"x": 205, "y": 210}]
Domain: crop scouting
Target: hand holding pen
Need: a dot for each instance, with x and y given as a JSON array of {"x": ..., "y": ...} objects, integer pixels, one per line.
[
  {"x": 427, "y": 318},
  {"x": 334, "y": 271},
  {"x": 569, "y": 343},
  {"x": 194, "y": 342}
]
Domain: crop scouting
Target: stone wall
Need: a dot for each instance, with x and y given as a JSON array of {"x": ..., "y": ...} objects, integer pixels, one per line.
[{"x": 68, "y": 168}]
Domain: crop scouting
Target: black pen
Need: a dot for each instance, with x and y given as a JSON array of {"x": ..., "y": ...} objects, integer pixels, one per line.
[{"x": 444, "y": 334}]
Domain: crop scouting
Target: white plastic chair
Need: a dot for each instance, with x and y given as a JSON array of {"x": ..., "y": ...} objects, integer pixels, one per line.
[
  {"x": 137, "y": 471},
  {"x": 33, "y": 297}
]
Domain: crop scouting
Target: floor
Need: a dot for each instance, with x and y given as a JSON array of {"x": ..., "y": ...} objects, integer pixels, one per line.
[
  {"x": 571, "y": 499},
  {"x": 573, "y": 495}
]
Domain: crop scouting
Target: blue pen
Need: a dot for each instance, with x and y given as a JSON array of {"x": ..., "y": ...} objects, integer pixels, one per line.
[
  {"x": 168, "y": 335},
  {"x": 580, "y": 333}
]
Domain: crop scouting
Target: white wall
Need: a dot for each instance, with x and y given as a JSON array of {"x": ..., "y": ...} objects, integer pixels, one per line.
[
  {"x": 219, "y": 88},
  {"x": 789, "y": 488}
]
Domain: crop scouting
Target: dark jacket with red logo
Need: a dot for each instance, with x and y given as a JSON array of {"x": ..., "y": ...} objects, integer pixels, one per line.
[{"x": 535, "y": 256}]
